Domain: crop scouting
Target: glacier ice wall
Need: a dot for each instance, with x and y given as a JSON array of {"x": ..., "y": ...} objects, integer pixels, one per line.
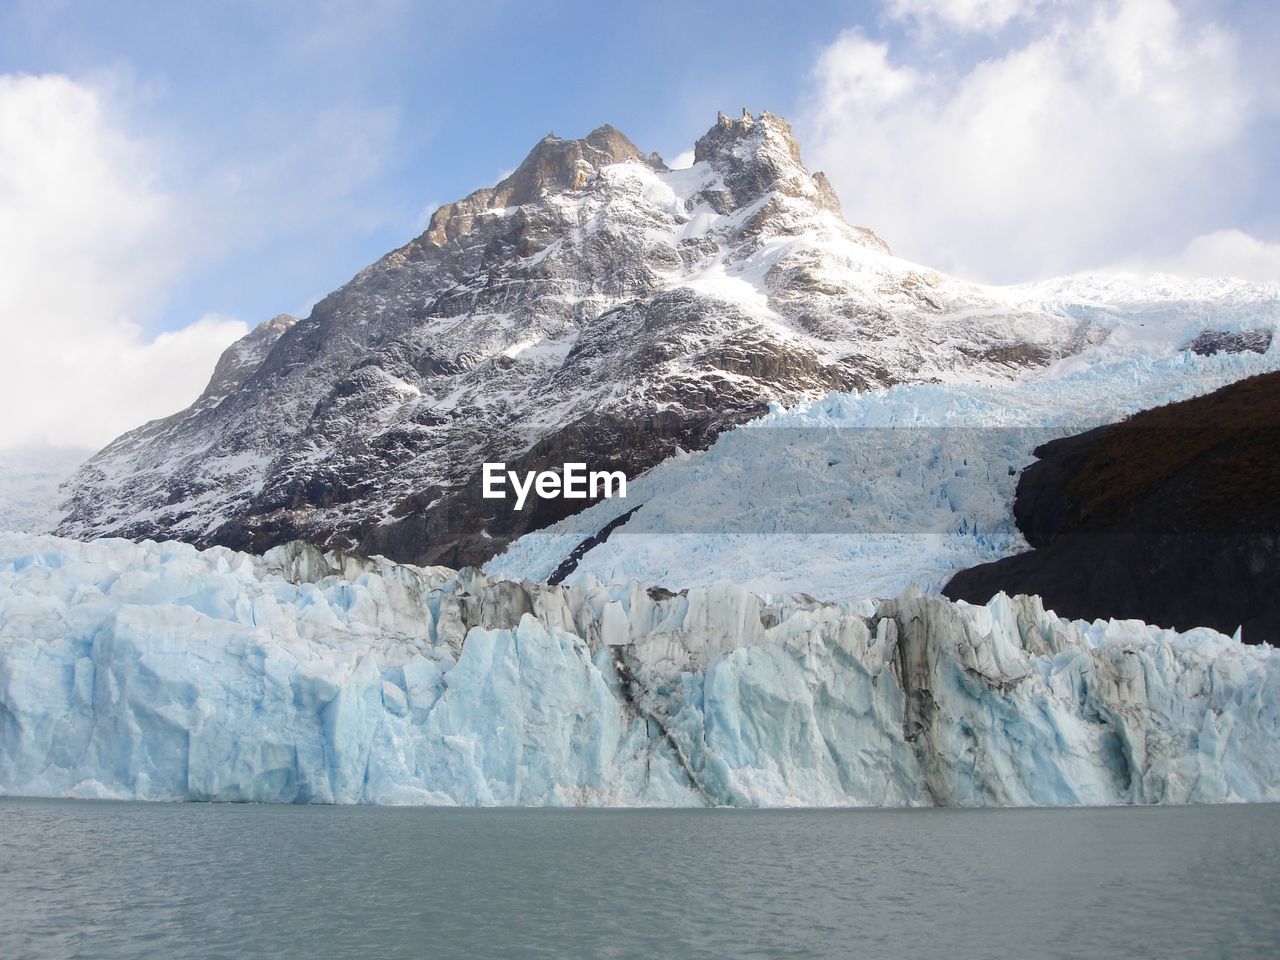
[{"x": 156, "y": 671}]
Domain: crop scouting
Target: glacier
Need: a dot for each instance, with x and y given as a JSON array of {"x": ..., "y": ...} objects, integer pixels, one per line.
[
  {"x": 156, "y": 671},
  {"x": 29, "y": 481},
  {"x": 857, "y": 495}
]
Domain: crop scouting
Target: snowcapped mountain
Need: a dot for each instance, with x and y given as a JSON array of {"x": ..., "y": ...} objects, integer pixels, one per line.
[
  {"x": 593, "y": 306},
  {"x": 800, "y": 412},
  {"x": 158, "y": 672}
]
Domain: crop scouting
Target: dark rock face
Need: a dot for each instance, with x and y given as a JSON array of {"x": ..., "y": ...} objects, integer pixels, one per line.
[
  {"x": 1220, "y": 341},
  {"x": 592, "y": 307},
  {"x": 1171, "y": 517}
]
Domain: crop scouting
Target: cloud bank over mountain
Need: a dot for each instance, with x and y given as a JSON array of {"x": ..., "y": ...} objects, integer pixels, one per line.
[{"x": 1007, "y": 142}]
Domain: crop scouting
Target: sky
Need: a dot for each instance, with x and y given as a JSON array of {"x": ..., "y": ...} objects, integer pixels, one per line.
[{"x": 173, "y": 174}]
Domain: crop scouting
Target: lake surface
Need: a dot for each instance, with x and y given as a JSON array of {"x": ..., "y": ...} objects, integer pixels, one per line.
[{"x": 105, "y": 880}]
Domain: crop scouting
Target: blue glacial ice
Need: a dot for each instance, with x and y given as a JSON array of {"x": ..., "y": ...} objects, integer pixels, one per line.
[
  {"x": 859, "y": 495},
  {"x": 156, "y": 671}
]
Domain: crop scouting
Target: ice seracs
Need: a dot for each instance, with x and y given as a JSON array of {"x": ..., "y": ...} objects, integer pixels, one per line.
[
  {"x": 858, "y": 495},
  {"x": 155, "y": 671}
]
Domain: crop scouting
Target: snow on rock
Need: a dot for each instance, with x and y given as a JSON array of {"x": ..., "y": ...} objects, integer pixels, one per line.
[
  {"x": 156, "y": 671},
  {"x": 592, "y": 307},
  {"x": 1151, "y": 316}
]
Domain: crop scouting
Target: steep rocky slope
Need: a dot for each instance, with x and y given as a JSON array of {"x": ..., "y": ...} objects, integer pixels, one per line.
[
  {"x": 594, "y": 306},
  {"x": 1170, "y": 517}
]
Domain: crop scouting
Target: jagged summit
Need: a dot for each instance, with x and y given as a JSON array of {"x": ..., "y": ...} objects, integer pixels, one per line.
[
  {"x": 552, "y": 166},
  {"x": 592, "y": 307},
  {"x": 754, "y": 155},
  {"x": 729, "y": 132},
  {"x": 759, "y": 155}
]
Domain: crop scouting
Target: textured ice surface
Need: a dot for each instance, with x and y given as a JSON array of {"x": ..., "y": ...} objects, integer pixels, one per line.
[
  {"x": 157, "y": 671},
  {"x": 862, "y": 494}
]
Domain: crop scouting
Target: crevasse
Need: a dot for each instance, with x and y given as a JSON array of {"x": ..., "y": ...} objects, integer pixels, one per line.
[{"x": 159, "y": 672}]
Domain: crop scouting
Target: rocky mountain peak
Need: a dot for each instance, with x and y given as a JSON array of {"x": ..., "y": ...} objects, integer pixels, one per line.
[
  {"x": 239, "y": 360},
  {"x": 553, "y": 166},
  {"x": 759, "y": 154},
  {"x": 730, "y": 134},
  {"x": 753, "y": 155}
]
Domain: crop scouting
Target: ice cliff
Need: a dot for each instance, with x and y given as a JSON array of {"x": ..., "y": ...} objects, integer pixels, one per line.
[{"x": 156, "y": 671}]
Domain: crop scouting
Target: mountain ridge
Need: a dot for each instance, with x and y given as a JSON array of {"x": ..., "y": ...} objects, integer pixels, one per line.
[{"x": 594, "y": 305}]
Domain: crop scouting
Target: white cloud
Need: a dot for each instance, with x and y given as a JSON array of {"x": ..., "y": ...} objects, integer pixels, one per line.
[
  {"x": 1109, "y": 126},
  {"x": 1222, "y": 253},
  {"x": 88, "y": 239},
  {"x": 961, "y": 14}
]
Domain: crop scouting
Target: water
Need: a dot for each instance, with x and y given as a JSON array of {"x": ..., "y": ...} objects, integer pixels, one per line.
[{"x": 105, "y": 880}]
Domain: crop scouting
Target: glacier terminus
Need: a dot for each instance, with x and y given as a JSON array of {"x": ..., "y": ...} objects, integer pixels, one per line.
[{"x": 162, "y": 672}]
